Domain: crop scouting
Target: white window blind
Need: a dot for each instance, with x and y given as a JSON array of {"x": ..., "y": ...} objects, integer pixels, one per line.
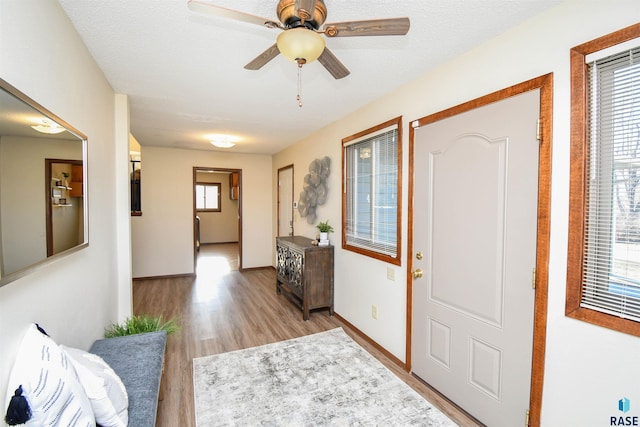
[
  {"x": 611, "y": 265},
  {"x": 371, "y": 189}
]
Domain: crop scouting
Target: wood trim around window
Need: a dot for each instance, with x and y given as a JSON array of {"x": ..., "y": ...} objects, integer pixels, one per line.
[
  {"x": 377, "y": 255},
  {"x": 578, "y": 182}
]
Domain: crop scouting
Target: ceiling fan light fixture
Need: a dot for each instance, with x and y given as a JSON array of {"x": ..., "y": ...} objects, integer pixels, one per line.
[{"x": 300, "y": 45}]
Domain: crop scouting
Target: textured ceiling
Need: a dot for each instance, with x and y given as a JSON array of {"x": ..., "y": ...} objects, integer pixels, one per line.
[{"x": 184, "y": 74}]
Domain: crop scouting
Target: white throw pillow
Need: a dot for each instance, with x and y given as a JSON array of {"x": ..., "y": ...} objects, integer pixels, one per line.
[
  {"x": 103, "y": 386},
  {"x": 49, "y": 383}
]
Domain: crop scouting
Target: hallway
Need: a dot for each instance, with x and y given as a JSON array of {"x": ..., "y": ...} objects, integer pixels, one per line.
[{"x": 217, "y": 258}]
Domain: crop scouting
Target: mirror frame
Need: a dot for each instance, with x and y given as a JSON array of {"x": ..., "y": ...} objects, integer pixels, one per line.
[{"x": 11, "y": 90}]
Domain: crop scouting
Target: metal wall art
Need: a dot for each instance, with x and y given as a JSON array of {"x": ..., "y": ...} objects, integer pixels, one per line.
[{"x": 315, "y": 188}]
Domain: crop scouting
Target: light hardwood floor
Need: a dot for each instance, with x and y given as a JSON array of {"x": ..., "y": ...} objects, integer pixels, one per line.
[{"x": 223, "y": 310}]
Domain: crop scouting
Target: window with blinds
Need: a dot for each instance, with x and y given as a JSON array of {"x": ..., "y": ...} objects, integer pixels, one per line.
[
  {"x": 371, "y": 190},
  {"x": 611, "y": 275},
  {"x": 603, "y": 279}
]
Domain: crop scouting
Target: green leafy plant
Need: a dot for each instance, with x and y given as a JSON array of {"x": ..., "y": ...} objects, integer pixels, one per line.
[
  {"x": 141, "y": 324},
  {"x": 324, "y": 227}
]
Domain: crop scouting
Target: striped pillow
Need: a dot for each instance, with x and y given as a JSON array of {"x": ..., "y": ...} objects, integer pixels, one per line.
[{"x": 49, "y": 382}]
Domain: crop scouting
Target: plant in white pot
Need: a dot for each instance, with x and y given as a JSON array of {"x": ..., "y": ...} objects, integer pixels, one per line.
[{"x": 325, "y": 229}]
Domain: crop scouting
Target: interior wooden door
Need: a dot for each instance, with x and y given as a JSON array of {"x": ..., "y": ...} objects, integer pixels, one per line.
[{"x": 475, "y": 220}]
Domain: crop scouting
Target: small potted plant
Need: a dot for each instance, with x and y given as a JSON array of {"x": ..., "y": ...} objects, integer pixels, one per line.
[{"x": 325, "y": 229}]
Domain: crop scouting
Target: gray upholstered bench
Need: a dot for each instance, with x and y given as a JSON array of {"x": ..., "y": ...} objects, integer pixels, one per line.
[{"x": 138, "y": 360}]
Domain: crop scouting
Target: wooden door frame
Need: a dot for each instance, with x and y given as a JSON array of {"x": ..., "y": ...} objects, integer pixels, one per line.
[
  {"x": 545, "y": 84},
  {"x": 223, "y": 170},
  {"x": 292, "y": 195}
]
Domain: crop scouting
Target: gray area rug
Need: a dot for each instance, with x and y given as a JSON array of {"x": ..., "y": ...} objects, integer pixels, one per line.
[{"x": 325, "y": 379}]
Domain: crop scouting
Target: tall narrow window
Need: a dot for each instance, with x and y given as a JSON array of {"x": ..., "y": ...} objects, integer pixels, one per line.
[
  {"x": 603, "y": 280},
  {"x": 208, "y": 197},
  {"x": 371, "y": 191}
]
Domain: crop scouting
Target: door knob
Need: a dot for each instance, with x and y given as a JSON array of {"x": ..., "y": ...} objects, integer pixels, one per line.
[{"x": 417, "y": 273}]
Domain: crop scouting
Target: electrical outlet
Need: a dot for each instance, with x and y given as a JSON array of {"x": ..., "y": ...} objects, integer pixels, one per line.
[
  {"x": 391, "y": 274},
  {"x": 374, "y": 311}
]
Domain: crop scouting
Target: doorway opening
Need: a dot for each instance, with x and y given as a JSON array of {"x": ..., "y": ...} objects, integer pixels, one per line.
[
  {"x": 64, "y": 207},
  {"x": 217, "y": 220},
  {"x": 285, "y": 201}
]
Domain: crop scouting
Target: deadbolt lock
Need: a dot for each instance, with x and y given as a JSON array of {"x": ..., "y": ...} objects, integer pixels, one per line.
[{"x": 419, "y": 255}]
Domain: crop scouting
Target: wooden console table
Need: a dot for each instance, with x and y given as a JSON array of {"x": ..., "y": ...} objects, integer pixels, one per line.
[{"x": 305, "y": 273}]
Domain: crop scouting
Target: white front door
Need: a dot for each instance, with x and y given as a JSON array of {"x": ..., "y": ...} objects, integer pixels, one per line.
[{"x": 475, "y": 219}]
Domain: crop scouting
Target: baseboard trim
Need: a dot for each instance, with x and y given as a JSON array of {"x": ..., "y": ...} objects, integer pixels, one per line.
[
  {"x": 368, "y": 339},
  {"x": 266, "y": 267},
  {"x": 177, "y": 276},
  {"x": 170, "y": 276},
  {"x": 216, "y": 243}
]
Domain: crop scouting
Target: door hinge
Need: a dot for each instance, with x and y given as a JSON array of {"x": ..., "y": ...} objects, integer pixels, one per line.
[
  {"x": 539, "y": 130},
  {"x": 533, "y": 278},
  {"x": 526, "y": 420}
]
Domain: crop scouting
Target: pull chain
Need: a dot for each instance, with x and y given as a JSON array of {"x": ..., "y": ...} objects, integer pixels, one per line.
[{"x": 299, "y": 97}]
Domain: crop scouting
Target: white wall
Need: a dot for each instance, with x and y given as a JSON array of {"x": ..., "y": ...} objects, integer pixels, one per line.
[
  {"x": 588, "y": 368},
  {"x": 74, "y": 298},
  {"x": 122, "y": 206},
  {"x": 162, "y": 238}
]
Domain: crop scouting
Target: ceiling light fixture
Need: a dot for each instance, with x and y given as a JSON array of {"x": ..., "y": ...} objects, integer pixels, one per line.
[
  {"x": 302, "y": 46},
  {"x": 222, "y": 141},
  {"x": 223, "y": 144},
  {"x": 49, "y": 127}
]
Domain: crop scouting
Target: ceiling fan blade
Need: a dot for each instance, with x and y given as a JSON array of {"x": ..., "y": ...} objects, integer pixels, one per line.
[
  {"x": 212, "y": 9},
  {"x": 372, "y": 27},
  {"x": 263, "y": 58},
  {"x": 333, "y": 64}
]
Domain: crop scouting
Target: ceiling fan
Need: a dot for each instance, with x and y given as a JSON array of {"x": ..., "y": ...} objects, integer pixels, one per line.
[{"x": 301, "y": 24}]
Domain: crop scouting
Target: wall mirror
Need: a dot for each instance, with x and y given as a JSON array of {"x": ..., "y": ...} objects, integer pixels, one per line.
[{"x": 43, "y": 200}]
